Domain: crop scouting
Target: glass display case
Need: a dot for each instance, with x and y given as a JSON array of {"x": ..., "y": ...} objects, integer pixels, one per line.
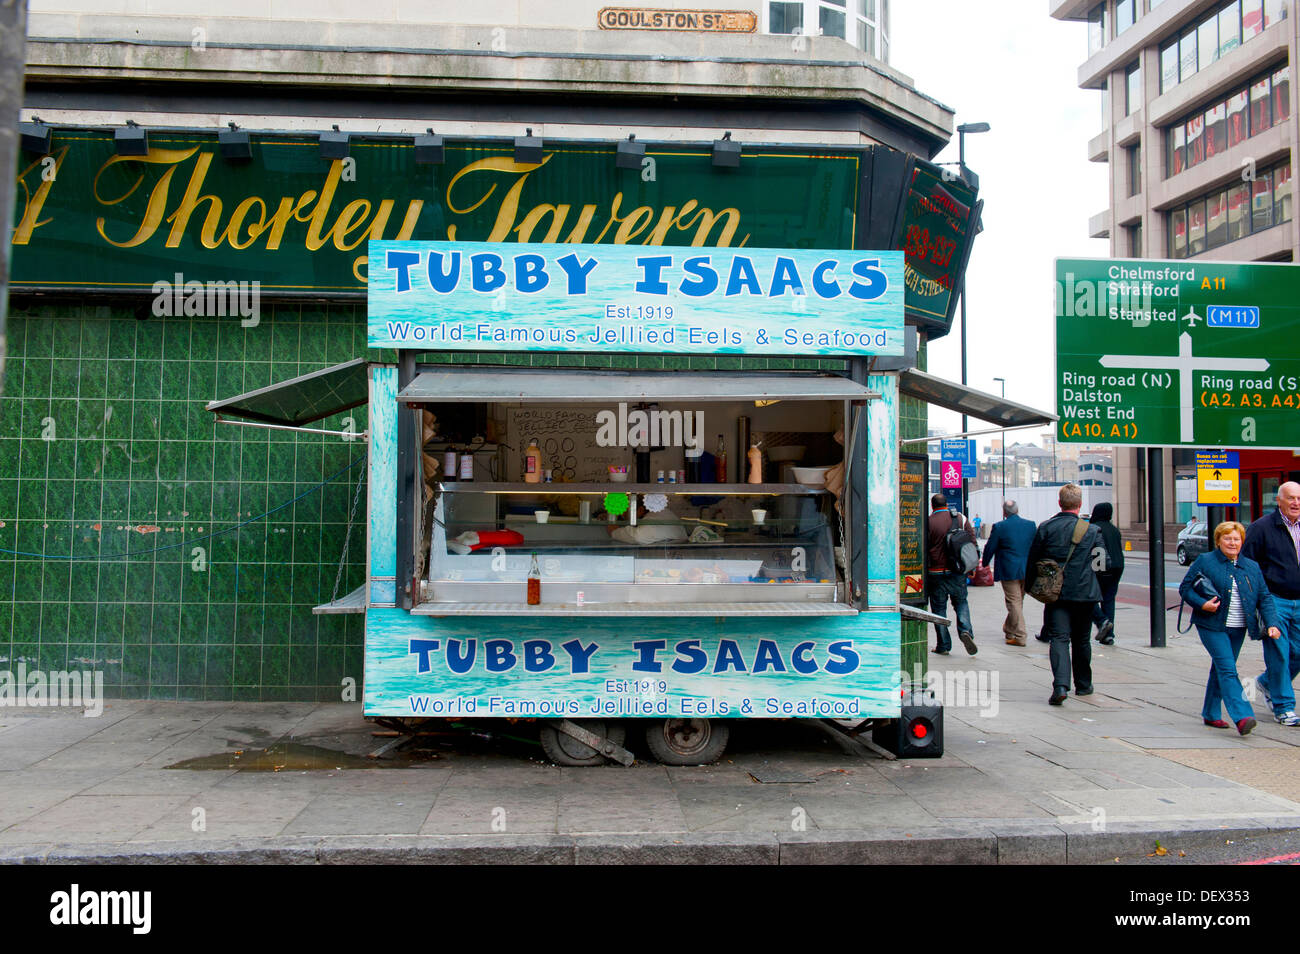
[{"x": 643, "y": 547}]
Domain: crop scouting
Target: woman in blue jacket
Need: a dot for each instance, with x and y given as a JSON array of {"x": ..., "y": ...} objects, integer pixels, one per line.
[{"x": 1223, "y": 622}]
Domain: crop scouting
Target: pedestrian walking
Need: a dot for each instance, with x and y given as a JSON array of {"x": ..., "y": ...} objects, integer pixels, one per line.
[
  {"x": 1238, "y": 597},
  {"x": 1109, "y": 569},
  {"x": 1008, "y": 553},
  {"x": 1273, "y": 541},
  {"x": 1071, "y": 541},
  {"x": 944, "y": 580}
]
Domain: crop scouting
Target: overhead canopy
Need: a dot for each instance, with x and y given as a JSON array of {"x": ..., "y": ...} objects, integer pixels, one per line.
[
  {"x": 303, "y": 399},
  {"x": 964, "y": 400},
  {"x": 562, "y": 387}
]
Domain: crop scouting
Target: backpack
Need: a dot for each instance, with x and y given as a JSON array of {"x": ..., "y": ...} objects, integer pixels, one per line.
[
  {"x": 1049, "y": 576},
  {"x": 959, "y": 546}
]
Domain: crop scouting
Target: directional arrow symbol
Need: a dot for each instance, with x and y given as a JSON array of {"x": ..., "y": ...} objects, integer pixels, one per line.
[{"x": 1217, "y": 475}]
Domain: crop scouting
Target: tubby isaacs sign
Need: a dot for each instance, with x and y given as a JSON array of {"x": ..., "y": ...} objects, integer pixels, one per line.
[
  {"x": 1178, "y": 353},
  {"x": 476, "y": 296}
]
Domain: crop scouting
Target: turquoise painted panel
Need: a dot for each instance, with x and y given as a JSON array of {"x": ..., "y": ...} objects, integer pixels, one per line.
[
  {"x": 645, "y": 667},
  {"x": 382, "y": 540},
  {"x": 483, "y": 297},
  {"x": 882, "y": 492}
]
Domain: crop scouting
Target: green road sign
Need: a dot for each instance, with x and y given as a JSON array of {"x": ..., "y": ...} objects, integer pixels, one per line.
[{"x": 1178, "y": 353}]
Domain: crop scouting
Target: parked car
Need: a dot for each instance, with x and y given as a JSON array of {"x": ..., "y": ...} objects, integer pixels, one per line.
[{"x": 1192, "y": 542}]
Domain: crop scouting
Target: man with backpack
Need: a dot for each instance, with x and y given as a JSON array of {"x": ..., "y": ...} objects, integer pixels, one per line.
[
  {"x": 1062, "y": 576},
  {"x": 953, "y": 553}
]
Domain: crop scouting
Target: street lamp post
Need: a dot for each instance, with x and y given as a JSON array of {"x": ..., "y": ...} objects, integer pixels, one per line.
[
  {"x": 1003, "y": 382},
  {"x": 962, "y": 130}
]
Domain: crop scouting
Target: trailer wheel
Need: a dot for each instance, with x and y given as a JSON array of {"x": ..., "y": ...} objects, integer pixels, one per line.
[
  {"x": 686, "y": 741},
  {"x": 566, "y": 750}
]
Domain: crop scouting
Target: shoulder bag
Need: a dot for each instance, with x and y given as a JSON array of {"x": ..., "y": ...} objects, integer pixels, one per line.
[{"x": 1049, "y": 576}]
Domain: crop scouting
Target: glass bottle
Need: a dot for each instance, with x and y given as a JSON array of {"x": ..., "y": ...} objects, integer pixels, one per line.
[
  {"x": 534, "y": 583},
  {"x": 720, "y": 462}
]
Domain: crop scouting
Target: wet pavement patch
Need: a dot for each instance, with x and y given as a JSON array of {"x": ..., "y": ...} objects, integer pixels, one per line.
[{"x": 296, "y": 757}]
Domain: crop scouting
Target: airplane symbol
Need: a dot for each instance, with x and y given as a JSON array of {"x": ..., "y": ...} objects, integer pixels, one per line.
[{"x": 1191, "y": 318}]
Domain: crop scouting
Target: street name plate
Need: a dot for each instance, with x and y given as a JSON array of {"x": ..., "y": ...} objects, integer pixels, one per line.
[{"x": 1178, "y": 353}]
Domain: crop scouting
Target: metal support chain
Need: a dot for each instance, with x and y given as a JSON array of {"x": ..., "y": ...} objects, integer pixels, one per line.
[{"x": 347, "y": 537}]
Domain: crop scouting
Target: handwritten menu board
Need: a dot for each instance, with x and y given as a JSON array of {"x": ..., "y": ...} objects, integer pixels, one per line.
[
  {"x": 566, "y": 436},
  {"x": 912, "y": 479}
]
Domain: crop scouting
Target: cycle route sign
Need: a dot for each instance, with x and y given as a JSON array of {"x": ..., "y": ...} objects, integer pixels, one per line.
[{"x": 1178, "y": 353}]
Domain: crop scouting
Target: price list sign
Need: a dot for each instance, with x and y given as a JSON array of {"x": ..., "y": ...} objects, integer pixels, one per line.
[
  {"x": 1178, "y": 353},
  {"x": 911, "y": 527}
]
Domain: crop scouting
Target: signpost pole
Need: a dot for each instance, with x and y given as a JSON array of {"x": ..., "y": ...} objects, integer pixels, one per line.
[{"x": 1156, "y": 535}]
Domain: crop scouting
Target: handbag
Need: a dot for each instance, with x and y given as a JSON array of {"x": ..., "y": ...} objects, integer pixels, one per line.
[
  {"x": 1204, "y": 591},
  {"x": 1049, "y": 576},
  {"x": 982, "y": 576}
]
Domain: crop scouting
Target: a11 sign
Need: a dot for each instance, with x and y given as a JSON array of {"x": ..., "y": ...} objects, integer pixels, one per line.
[{"x": 1178, "y": 353}]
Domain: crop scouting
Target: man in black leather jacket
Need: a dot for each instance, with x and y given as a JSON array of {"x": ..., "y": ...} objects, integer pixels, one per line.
[{"x": 1069, "y": 619}]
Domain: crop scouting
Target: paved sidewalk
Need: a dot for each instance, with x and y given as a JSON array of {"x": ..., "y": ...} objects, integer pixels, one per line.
[{"x": 1096, "y": 779}]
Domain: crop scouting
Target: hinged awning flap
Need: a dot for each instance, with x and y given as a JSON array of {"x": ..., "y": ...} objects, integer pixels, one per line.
[
  {"x": 306, "y": 398},
  {"x": 964, "y": 400},
  {"x": 562, "y": 387}
]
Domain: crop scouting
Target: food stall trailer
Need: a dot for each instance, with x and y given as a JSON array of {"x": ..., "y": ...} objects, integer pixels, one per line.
[{"x": 605, "y": 551}]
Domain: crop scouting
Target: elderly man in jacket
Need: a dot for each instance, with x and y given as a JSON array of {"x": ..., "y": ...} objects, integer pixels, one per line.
[
  {"x": 1007, "y": 552},
  {"x": 1069, "y": 540},
  {"x": 1273, "y": 541}
]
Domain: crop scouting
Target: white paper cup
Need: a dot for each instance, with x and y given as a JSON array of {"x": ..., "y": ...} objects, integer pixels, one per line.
[
  {"x": 542, "y": 515},
  {"x": 758, "y": 515}
]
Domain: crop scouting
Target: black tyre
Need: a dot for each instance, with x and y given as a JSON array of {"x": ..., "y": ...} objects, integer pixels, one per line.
[
  {"x": 686, "y": 741},
  {"x": 564, "y": 749},
  {"x": 1182, "y": 555}
]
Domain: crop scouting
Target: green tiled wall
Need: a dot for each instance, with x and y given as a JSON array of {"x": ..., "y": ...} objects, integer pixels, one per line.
[
  {"x": 103, "y": 437},
  {"x": 913, "y": 421}
]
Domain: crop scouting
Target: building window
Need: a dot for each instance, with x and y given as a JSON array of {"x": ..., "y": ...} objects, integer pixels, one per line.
[
  {"x": 1230, "y": 28},
  {"x": 785, "y": 17},
  {"x": 1261, "y": 116},
  {"x": 1133, "y": 160},
  {"x": 1132, "y": 89},
  {"x": 1282, "y": 194},
  {"x": 1216, "y": 129},
  {"x": 1226, "y": 215},
  {"x": 830, "y": 17},
  {"x": 1134, "y": 240},
  {"x": 1207, "y": 43},
  {"x": 863, "y": 23},
  {"x": 1217, "y": 33},
  {"x": 1238, "y": 118},
  {"x": 1210, "y": 132},
  {"x": 1252, "y": 19},
  {"x": 1238, "y": 203},
  {"x": 1124, "y": 15},
  {"x": 1169, "y": 67},
  {"x": 1096, "y": 28},
  {"x": 1176, "y": 154}
]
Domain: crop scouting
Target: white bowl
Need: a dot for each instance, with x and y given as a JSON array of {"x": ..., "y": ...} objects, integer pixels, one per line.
[
  {"x": 811, "y": 476},
  {"x": 542, "y": 515},
  {"x": 618, "y": 478}
]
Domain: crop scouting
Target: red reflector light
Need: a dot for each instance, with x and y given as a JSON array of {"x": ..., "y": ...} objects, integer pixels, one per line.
[{"x": 920, "y": 730}]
